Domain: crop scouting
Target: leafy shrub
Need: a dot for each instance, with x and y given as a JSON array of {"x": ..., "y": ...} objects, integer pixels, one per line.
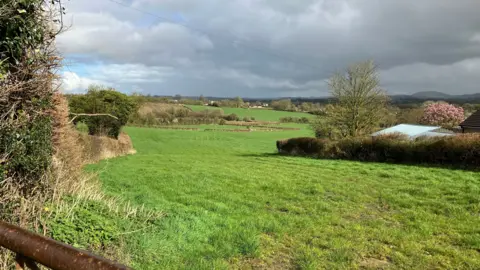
[
  {"x": 459, "y": 151},
  {"x": 304, "y": 120},
  {"x": 246, "y": 119},
  {"x": 285, "y": 119},
  {"x": 318, "y": 112},
  {"x": 81, "y": 127},
  {"x": 300, "y": 120},
  {"x": 29, "y": 149},
  {"x": 100, "y": 100},
  {"x": 222, "y": 122},
  {"x": 301, "y": 146},
  {"x": 231, "y": 117},
  {"x": 27, "y": 62}
]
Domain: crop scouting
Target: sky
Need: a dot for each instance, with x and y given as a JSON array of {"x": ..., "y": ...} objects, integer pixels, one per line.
[{"x": 268, "y": 48}]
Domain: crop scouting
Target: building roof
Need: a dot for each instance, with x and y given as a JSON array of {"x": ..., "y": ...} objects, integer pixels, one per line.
[
  {"x": 413, "y": 131},
  {"x": 409, "y": 130},
  {"x": 472, "y": 121},
  {"x": 433, "y": 134}
]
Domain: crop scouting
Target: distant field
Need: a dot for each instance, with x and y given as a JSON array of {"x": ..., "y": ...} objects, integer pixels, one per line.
[
  {"x": 304, "y": 127},
  {"x": 231, "y": 203},
  {"x": 259, "y": 114}
]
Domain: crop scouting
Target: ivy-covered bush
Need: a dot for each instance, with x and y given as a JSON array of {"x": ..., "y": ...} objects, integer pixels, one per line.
[
  {"x": 104, "y": 110},
  {"x": 27, "y": 67}
]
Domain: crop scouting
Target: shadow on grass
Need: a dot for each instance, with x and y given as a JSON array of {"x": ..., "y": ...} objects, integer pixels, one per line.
[
  {"x": 261, "y": 155},
  {"x": 423, "y": 165}
]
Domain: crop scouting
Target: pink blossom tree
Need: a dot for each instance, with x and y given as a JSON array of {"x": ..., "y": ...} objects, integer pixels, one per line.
[{"x": 443, "y": 114}]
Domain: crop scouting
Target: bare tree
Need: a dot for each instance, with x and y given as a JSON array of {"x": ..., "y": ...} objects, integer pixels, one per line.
[{"x": 361, "y": 104}]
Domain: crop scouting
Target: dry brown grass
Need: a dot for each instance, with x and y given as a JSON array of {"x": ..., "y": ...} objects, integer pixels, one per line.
[
  {"x": 96, "y": 148},
  {"x": 161, "y": 108}
]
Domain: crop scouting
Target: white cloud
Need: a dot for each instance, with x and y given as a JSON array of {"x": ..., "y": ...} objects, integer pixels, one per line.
[
  {"x": 103, "y": 36},
  {"x": 130, "y": 73},
  {"x": 72, "y": 83},
  {"x": 127, "y": 78}
]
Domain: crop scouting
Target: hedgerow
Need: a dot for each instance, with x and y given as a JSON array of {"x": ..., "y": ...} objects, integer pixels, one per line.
[
  {"x": 462, "y": 151},
  {"x": 27, "y": 71}
]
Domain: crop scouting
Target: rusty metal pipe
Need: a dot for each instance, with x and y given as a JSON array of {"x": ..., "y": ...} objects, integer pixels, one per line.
[{"x": 51, "y": 253}]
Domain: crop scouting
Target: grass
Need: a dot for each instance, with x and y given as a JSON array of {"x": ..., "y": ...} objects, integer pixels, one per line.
[
  {"x": 231, "y": 203},
  {"x": 259, "y": 114}
]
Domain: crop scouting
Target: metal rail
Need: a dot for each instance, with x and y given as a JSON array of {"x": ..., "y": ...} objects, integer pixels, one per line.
[{"x": 31, "y": 248}]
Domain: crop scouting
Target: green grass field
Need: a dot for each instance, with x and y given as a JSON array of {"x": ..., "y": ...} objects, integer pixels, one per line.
[
  {"x": 259, "y": 114},
  {"x": 230, "y": 202}
]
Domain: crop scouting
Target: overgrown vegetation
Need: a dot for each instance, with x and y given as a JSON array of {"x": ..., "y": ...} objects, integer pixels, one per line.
[
  {"x": 28, "y": 136},
  {"x": 42, "y": 186},
  {"x": 27, "y": 66},
  {"x": 27, "y": 139},
  {"x": 104, "y": 110},
  {"x": 154, "y": 114}
]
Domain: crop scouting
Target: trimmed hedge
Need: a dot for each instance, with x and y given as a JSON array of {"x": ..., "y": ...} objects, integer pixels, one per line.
[
  {"x": 302, "y": 146},
  {"x": 461, "y": 151}
]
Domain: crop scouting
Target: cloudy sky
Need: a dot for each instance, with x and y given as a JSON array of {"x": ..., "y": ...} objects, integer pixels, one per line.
[{"x": 269, "y": 48}]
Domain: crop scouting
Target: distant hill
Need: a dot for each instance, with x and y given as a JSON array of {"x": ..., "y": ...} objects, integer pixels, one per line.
[
  {"x": 396, "y": 99},
  {"x": 434, "y": 95},
  {"x": 431, "y": 95}
]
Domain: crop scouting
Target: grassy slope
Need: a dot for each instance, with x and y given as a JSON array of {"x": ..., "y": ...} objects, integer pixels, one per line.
[
  {"x": 259, "y": 114},
  {"x": 228, "y": 204}
]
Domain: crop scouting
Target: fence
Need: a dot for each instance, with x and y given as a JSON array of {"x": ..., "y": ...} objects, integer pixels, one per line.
[{"x": 31, "y": 248}]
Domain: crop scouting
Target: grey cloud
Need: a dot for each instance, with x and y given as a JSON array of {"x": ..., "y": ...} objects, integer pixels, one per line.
[
  {"x": 105, "y": 37},
  {"x": 457, "y": 78},
  {"x": 281, "y": 47}
]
